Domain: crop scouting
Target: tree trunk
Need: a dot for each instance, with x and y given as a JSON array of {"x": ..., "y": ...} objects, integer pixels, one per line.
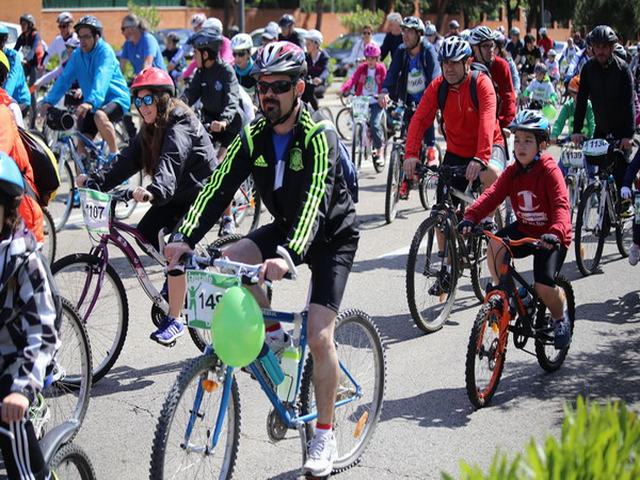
[
  {"x": 319, "y": 10},
  {"x": 229, "y": 6},
  {"x": 441, "y": 6},
  {"x": 511, "y": 13}
]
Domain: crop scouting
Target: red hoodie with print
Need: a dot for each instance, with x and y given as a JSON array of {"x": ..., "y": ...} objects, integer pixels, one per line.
[{"x": 538, "y": 195}]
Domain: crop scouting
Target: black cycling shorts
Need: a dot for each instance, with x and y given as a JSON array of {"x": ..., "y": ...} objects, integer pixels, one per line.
[
  {"x": 546, "y": 263},
  {"x": 88, "y": 124},
  {"x": 330, "y": 263}
]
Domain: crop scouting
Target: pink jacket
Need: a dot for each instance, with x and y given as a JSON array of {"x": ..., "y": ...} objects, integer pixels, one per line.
[
  {"x": 226, "y": 54},
  {"x": 360, "y": 76}
]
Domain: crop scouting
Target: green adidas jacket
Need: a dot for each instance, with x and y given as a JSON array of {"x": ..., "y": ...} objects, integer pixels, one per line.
[{"x": 313, "y": 204}]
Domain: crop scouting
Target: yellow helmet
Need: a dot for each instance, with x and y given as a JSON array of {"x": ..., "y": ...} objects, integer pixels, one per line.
[{"x": 4, "y": 61}]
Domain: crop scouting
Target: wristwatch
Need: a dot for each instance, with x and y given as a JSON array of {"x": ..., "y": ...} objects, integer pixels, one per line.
[{"x": 178, "y": 237}]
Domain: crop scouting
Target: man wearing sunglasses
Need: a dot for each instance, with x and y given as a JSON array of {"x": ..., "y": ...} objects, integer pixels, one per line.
[
  {"x": 140, "y": 48},
  {"x": 104, "y": 90},
  {"x": 294, "y": 163},
  {"x": 58, "y": 46}
]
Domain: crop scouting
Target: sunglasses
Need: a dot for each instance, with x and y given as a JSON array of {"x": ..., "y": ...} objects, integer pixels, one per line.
[
  {"x": 240, "y": 54},
  {"x": 277, "y": 87},
  {"x": 366, "y": 33},
  {"x": 147, "y": 100}
]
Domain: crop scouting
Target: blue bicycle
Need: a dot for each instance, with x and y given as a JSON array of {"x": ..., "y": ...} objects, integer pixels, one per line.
[
  {"x": 63, "y": 140},
  {"x": 198, "y": 430}
]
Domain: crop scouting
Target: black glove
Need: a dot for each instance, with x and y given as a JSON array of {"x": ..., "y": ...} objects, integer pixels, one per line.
[
  {"x": 465, "y": 227},
  {"x": 551, "y": 239}
]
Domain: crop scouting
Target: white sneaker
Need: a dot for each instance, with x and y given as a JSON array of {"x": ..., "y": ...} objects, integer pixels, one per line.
[
  {"x": 321, "y": 453},
  {"x": 634, "y": 254}
]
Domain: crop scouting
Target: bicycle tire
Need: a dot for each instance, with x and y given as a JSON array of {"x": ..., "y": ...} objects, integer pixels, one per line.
[
  {"x": 50, "y": 238},
  {"x": 478, "y": 265},
  {"x": 428, "y": 184},
  {"x": 357, "y": 146},
  {"x": 105, "y": 348},
  {"x": 124, "y": 211},
  {"x": 623, "y": 239},
  {"x": 72, "y": 454},
  {"x": 427, "y": 230},
  {"x": 201, "y": 337},
  {"x": 344, "y": 123},
  {"x": 393, "y": 186},
  {"x": 253, "y": 211},
  {"x": 580, "y": 249},
  {"x": 67, "y": 396},
  {"x": 62, "y": 204},
  {"x": 195, "y": 369},
  {"x": 572, "y": 189},
  {"x": 542, "y": 320},
  {"x": 366, "y": 421},
  {"x": 327, "y": 114},
  {"x": 386, "y": 148},
  {"x": 476, "y": 351}
]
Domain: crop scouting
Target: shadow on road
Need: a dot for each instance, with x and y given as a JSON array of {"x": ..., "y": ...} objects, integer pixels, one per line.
[{"x": 127, "y": 379}]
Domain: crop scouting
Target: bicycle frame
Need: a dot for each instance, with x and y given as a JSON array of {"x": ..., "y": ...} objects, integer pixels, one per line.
[
  {"x": 286, "y": 411},
  {"x": 69, "y": 144}
]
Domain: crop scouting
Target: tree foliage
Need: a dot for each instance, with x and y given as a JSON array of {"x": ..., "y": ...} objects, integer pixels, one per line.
[
  {"x": 356, "y": 20},
  {"x": 622, "y": 15},
  {"x": 149, "y": 14}
]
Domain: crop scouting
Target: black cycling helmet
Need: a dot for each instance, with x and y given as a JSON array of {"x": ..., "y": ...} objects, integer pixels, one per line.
[
  {"x": 414, "y": 23},
  {"x": 28, "y": 18},
  {"x": 206, "y": 39},
  {"x": 603, "y": 34},
  {"x": 91, "y": 22},
  {"x": 286, "y": 20}
]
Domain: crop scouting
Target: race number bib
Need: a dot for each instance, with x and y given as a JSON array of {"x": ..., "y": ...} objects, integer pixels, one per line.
[
  {"x": 572, "y": 158},
  {"x": 415, "y": 82},
  {"x": 204, "y": 291},
  {"x": 96, "y": 207},
  {"x": 595, "y": 147}
]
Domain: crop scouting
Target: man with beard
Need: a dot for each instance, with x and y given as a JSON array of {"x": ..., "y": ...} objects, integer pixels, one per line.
[{"x": 293, "y": 160}]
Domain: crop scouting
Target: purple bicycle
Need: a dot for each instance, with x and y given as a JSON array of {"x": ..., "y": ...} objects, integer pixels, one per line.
[{"x": 95, "y": 288}]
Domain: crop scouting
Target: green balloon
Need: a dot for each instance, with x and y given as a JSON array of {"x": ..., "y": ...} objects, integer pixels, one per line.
[
  {"x": 549, "y": 111},
  {"x": 237, "y": 328}
]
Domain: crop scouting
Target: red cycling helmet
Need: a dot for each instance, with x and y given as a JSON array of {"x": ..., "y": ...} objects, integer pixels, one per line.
[{"x": 155, "y": 79}]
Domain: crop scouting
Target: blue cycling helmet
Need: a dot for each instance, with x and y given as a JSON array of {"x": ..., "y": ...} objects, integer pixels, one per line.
[
  {"x": 3, "y": 29},
  {"x": 531, "y": 121},
  {"x": 11, "y": 181}
]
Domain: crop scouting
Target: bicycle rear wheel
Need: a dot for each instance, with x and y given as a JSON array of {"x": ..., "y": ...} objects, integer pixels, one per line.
[
  {"x": 485, "y": 355},
  {"x": 344, "y": 123},
  {"x": 480, "y": 274},
  {"x": 246, "y": 207},
  {"x": 187, "y": 421},
  {"x": 108, "y": 321},
  {"x": 68, "y": 384},
  {"x": 393, "y": 186},
  {"x": 549, "y": 358},
  {"x": 589, "y": 235},
  {"x": 624, "y": 234},
  {"x": 70, "y": 461},
  {"x": 361, "y": 354},
  {"x": 61, "y": 205},
  {"x": 50, "y": 238},
  {"x": 430, "y": 294},
  {"x": 427, "y": 190}
]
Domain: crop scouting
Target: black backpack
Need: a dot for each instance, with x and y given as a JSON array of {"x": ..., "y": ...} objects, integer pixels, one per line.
[{"x": 477, "y": 69}]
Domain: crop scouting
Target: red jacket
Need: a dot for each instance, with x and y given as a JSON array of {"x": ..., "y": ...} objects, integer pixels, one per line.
[
  {"x": 360, "y": 76},
  {"x": 470, "y": 132},
  {"x": 538, "y": 195},
  {"x": 11, "y": 144},
  {"x": 546, "y": 44},
  {"x": 501, "y": 76}
]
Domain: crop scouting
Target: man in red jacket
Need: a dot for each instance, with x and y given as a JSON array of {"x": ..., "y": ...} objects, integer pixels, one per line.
[
  {"x": 482, "y": 41},
  {"x": 539, "y": 197}
]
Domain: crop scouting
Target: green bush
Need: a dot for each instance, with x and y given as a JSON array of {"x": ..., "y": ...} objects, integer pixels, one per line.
[
  {"x": 149, "y": 14},
  {"x": 597, "y": 442},
  {"x": 355, "y": 21}
]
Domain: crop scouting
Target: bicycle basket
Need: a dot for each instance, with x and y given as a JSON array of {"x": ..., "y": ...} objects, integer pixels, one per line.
[
  {"x": 572, "y": 158},
  {"x": 360, "y": 107},
  {"x": 96, "y": 210},
  {"x": 204, "y": 291}
]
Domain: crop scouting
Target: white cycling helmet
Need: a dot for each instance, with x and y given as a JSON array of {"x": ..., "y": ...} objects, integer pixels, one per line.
[
  {"x": 315, "y": 36},
  {"x": 241, "y": 41},
  {"x": 430, "y": 29},
  {"x": 454, "y": 49},
  {"x": 65, "y": 18},
  {"x": 198, "y": 19},
  {"x": 481, "y": 34},
  {"x": 213, "y": 22},
  {"x": 551, "y": 53}
]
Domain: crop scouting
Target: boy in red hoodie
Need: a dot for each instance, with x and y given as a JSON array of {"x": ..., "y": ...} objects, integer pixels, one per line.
[{"x": 538, "y": 193}]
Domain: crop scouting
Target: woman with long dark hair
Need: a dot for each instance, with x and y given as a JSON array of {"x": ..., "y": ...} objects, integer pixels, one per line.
[{"x": 171, "y": 148}]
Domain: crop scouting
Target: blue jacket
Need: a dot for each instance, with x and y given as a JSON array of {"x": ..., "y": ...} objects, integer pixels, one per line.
[
  {"x": 395, "y": 83},
  {"x": 98, "y": 73},
  {"x": 16, "y": 83}
]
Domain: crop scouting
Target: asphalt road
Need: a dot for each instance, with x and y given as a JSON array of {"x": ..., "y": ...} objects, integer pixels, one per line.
[{"x": 427, "y": 424}]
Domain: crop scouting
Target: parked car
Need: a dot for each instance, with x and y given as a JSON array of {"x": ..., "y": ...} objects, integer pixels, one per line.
[
  {"x": 14, "y": 31},
  {"x": 256, "y": 35},
  {"x": 341, "y": 47},
  {"x": 183, "y": 34}
]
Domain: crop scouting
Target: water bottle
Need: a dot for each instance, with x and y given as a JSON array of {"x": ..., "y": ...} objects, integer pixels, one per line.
[
  {"x": 636, "y": 205},
  {"x": 270, "y": 364},
  {"x": 289, "y": 363},
  {"x": 527, "y": 300}
]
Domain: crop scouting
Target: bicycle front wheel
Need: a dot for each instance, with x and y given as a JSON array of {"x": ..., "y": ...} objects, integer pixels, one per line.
[
  {"x": 480, "y": 274},
  {"x": 68, "y": 384},
  {"x": 427, "y": 190},
  {"x": 393, "y": 186},
  {"x": 182, "y": 444},
  {"x": 50, "y": 238},
  {"x": 72, "y": 462},
  {"x": 589, "y": 234},
  {"x": 361, "y": 380},
  {"x": 61, "y": 205},
  {"x": 357, "y": 146},
  {"x": 430, "y": 278},
  {"x": 344, "y": 123},
  {"x": 485, "y": 355},
  {"x": 107, "y": 321}
]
